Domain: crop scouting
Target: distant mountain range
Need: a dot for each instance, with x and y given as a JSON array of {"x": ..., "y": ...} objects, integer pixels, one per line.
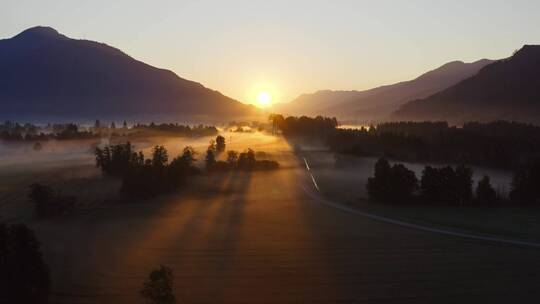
[
  {"x": 45, "y": 73},
  {"x": 508, "y": 89},
  {"x": 379, "y": 103}
]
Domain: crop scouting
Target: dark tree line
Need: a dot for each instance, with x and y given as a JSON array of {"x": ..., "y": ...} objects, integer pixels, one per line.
[
  {"x": 446, "y": 185},
  {"x": 498, "y": 144},
  {"x": 318, "y": 127},
  {"x": 11, "y": 131},
  {"x": 24, "y": 276}
]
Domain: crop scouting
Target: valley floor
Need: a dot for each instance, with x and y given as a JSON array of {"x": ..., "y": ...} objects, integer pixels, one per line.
[{"x": 261, "y": 237}]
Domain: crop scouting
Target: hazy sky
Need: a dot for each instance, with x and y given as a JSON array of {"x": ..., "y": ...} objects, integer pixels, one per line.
[{"x": 238, "y": 47}]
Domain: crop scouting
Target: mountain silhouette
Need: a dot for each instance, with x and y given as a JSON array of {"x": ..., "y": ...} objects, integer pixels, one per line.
[
  {"x": 380, "y": 102},
  {"x": 508, "y": 89},
  {"x": 44, "y": 72}
]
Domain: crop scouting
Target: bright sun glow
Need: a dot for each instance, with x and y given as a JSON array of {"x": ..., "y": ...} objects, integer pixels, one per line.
[{"x": 264, "y": 99}]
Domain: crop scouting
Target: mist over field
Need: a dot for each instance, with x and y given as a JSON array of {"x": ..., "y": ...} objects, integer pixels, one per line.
[{"x": 278, "y": 152}]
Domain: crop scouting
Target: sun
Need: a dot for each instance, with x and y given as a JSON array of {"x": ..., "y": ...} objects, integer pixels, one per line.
[{"x": 264, "y": 99}]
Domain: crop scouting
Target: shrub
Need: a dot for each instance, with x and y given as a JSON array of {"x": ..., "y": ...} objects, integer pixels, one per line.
[{"x": 158, "y": 288}]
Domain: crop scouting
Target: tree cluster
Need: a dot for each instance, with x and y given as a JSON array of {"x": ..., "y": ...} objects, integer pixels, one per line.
[
  {"x": 24, "y": 276},
  {"x": 398, "y": 185},
  {"x": 11, "y": 131},
  {"x": 304, "y": 126},
  {"x": 143, "y": 177},
  {"x": 447, "y": 185},
  {"x": 235, "y": 161}
]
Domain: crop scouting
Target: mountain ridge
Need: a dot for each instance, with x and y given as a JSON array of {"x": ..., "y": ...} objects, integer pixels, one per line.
[
  {"x": 379, "y": 102},
  {"x": 507, "y": 89},
  {"x": 48, "y": 73}
]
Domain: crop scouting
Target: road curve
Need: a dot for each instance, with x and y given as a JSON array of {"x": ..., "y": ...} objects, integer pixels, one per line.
[{"x": 317, "y": 197}]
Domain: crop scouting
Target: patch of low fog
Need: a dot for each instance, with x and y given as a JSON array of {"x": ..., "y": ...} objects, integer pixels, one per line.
[
  {"x": 52, "y": 151},
  {"x": 23, "y": 156},
  {"x": 354, "y": 126}
]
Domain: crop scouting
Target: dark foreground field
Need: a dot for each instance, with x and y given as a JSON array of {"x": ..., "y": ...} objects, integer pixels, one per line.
[{"x": 260, "y": 238}]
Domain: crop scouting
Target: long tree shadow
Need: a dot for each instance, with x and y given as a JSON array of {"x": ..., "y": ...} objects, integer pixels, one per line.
[
  {"x": 168, "y": 235},
  {"x": 227, "y": 224}
]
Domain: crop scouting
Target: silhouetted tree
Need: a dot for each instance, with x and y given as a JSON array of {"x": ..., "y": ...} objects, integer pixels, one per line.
[
  {"x": 160, "y": 157},
  {"x": 232, "y": 158},
  {"x": 158, "y": 288},
  {"x": 278, "y": 122},
  {"x": 446, "y": 185},
  {"x": 220, "y": 144},
  {"x": 124, "y": 125},
  {"x": 463, "y": 184},
  {"x": 188, "y": 156},
  {"x": 485, "y": 194},
  {"x": 24, "y": 276},
  {"x": 525, "y": 183},
  {"x": 118, "y": 160},
  {"x": 210, "y": 158},
  {"x": 246, "y": 160}
]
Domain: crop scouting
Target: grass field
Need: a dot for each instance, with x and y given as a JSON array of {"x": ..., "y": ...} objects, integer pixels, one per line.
[
  {"x": 347, "y": 184},
  {"x": 255, "y": 237}
]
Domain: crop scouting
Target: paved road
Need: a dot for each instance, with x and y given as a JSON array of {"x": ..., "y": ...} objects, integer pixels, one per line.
[{"x": 264, "y": 240}]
